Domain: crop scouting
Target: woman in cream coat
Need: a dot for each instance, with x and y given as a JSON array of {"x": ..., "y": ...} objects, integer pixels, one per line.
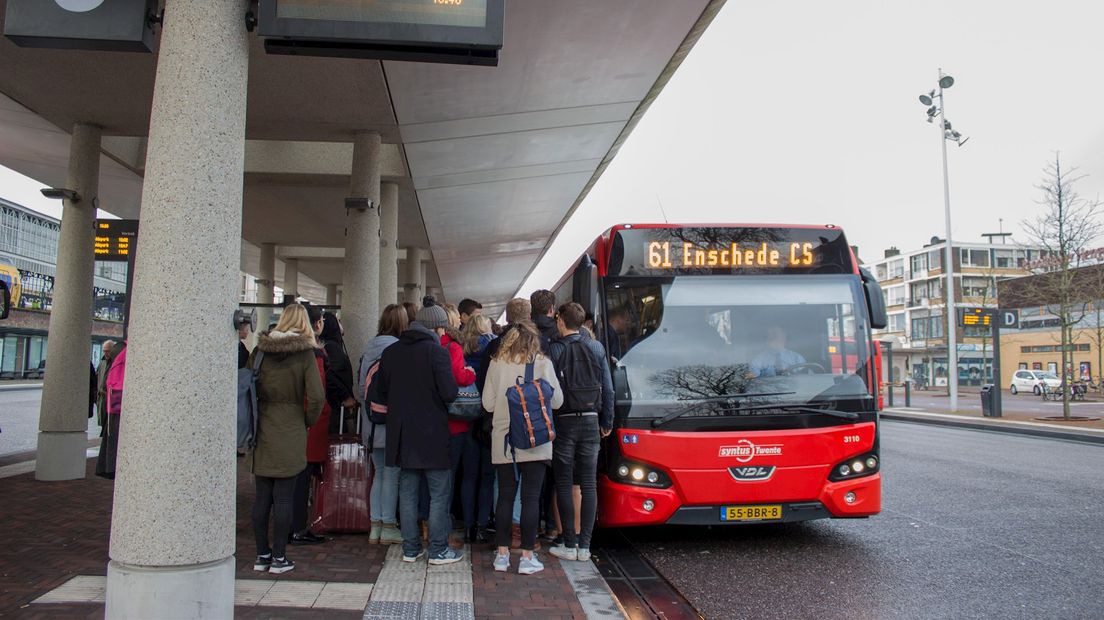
[{"x": 520, "y": 345}]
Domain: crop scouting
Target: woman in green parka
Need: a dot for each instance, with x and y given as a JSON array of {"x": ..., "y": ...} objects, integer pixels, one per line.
[{"x": 290, "y": 397}]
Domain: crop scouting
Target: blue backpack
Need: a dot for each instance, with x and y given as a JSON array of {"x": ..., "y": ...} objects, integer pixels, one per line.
[
  {"x": 247, "y": 404},
  {"x": 530, "y": 404}
]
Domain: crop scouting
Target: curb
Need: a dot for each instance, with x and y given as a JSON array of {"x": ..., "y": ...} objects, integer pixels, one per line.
[{"x": 1089, "y": 436}]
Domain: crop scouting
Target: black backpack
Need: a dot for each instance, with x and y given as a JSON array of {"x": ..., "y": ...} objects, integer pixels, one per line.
[{"x": 580, "y": 377}]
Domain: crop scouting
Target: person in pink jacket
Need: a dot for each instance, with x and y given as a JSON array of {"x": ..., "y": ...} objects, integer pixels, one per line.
[{"x": 109, "y": 444}]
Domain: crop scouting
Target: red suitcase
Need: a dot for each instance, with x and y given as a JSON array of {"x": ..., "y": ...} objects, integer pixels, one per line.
[{"x": 341, "y": 498}]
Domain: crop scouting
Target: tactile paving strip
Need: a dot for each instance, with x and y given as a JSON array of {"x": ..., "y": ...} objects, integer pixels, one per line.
[
  {"x": 447, "y": 611},
  {"x": 381, "y": 610}
]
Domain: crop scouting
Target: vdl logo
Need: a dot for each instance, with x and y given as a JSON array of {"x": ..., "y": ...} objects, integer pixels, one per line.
[
  {"x": 744, "y": 450},
  {"x": 750, "y": 473}
]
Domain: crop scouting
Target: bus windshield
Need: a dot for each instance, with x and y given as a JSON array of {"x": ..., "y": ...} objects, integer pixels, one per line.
[{"x": 734, "y": 345}]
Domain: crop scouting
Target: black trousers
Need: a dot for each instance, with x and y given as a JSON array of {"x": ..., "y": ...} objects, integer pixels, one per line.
[
  {"x": 301, "y": 498},
  {"x": 532, "y": 477},
  {"x": 575, "y": 459},
  {"x": 274, "y": 495}
]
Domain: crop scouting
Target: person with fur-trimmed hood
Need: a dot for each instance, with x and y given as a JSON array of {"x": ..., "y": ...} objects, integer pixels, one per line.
[{"x": 290, "y": 397}]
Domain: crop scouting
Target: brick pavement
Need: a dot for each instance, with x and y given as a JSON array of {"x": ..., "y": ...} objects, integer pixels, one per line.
[{"x": 60, "y": 529}]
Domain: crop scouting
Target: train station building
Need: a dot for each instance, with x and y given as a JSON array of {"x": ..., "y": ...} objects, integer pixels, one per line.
[{"x": 366, "y": 180}]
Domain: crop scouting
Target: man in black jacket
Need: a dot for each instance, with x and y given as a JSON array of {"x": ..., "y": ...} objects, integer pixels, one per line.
[
  {"x": 415, "y": 383},
  {"x": 544, "y": 309}
]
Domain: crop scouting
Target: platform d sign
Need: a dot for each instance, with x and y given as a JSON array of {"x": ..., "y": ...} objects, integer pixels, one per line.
[{"x": 1009, "y": 319}]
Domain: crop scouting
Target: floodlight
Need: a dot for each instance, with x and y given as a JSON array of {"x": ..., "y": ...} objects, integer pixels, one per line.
[
  {"x": 925, "y": 99},
  {"x": 60, "y": 193},
  {"x": 946, "y": 81}
]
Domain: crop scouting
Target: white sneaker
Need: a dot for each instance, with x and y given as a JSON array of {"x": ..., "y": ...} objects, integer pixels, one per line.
[
  {"x": 530, "y": 565},
  {"x": 584, "y": 554},
  {"x": 564, "y": 552},
  {"x": 502, "y": 562}
]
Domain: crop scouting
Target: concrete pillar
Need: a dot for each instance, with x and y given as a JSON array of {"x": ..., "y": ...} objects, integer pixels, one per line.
[
  {"x": 414, "y": 282},
  {"x": 291, "y": 277},
  {"x": 331, "y": 294},
  {"x": 389, "y": 237},
  {"x": 63, "y": 416},
  {"x": 266, "y": 285},
  {"x": 173, "y": 521},
  {"x": 360, "y": 290}
]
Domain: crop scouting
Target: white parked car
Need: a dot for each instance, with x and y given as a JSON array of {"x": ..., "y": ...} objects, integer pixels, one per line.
[{"x": 1030, "y": 380}]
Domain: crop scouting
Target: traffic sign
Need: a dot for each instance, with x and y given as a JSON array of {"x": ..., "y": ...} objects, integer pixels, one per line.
[{"x": 1009, "y": 319}]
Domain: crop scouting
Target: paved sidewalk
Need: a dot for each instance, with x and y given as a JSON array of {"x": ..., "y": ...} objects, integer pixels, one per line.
[
  {"x": 59, "y": 537},
  {"x": 1005, "y": 425}
]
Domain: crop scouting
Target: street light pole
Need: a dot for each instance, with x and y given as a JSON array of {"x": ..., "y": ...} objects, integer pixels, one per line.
[{"x": 949, "y": 293}]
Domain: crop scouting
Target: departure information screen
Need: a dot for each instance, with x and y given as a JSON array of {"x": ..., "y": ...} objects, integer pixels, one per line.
[
  {"x": 115, "y": 239},
  {"x": 725, "y": 250},
  {"x": 981, "y": 317},
  {"x": 462, "y": 13}
]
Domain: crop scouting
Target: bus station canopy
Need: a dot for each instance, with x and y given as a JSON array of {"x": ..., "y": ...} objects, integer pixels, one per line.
[{"x": 490, "y": 161}]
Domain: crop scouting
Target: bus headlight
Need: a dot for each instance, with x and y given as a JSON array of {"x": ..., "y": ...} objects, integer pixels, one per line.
[
  {"x": 855, "y": 467},
  {"x": 641, "y": 475}
]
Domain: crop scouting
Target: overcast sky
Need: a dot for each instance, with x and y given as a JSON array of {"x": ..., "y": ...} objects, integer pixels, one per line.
[{"x": 807, "y": 112}]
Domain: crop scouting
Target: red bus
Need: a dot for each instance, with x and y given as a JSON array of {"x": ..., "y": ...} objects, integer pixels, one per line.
[{"x": 734, "y": 400}]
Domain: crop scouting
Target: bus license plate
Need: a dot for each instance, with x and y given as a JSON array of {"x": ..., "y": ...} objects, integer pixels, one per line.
[{"x": 751, "y": 513}]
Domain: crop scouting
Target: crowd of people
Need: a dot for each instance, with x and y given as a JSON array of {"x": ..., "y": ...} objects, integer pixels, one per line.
[{"x": 441, "y": 477}]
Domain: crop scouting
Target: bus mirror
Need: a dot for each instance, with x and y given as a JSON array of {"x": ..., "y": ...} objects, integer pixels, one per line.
[
  {"x": 5, "y": 300},
  {"x": 584, "y": 285},
  {"x": 875, "y": 300}
]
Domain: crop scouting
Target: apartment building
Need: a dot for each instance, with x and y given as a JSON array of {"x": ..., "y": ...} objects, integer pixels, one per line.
[{"x": 914, "y": 283}]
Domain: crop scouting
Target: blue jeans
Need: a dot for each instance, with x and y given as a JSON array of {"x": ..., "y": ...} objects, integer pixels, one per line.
[
  {"x": 384, "y": 496},
  {"x": 485, "y": 505},
  {"x": 440, "y": 487},
  {"x": 464, "y": 455}
]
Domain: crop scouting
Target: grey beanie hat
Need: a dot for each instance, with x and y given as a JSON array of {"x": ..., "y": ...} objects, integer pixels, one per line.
[{"x": 431, "y": 315}]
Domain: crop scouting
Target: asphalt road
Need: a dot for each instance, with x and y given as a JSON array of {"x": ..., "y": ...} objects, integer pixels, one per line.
[
  {"x": 974, "y": 525},
  {"x": 19, "y": 420}
]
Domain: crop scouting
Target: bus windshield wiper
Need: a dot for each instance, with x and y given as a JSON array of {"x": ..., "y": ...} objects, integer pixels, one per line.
[
  {"x": 845, "y": 415},
  {"x": 713, "y": 399}
]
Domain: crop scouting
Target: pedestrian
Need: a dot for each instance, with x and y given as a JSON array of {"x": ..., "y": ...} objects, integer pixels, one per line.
[
  {"x": 477, "y": 336},
  {"x": 543, "y": 303},
  {"x": 101, "y": 384},
  {"x": 543, "y": 308},
  {"x": 469, "y": 308},
  {"x": 585, "y": 418},
  {"x": 520, "y": 347},
  {"x": 411, "y": 311},
  {"x": 244, "y": 328},
  {"x": 318, "y": 447},
  {"x": 463, "y": 451},
  {"x": 415, "y": 383},
  {"x": 290, "y": 398},
  {"x": 384, "y": 494},
  {"x": 339, "y": 379},
  {"x": 517, "y": 310},
  {"x": 113, "y": 387}
]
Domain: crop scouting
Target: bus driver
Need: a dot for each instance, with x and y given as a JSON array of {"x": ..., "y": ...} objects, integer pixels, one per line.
[{"x": 776, "y": 359}]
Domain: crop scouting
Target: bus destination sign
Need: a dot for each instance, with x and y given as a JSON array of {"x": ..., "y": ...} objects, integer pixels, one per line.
[
  {"x": 728, "y": 250},
  {"x": 115, "y": 240},
  {"x": 690, "y": 255}
]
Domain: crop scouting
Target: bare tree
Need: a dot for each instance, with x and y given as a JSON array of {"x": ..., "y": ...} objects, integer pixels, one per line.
[{"x": 1064, "y": 228}]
